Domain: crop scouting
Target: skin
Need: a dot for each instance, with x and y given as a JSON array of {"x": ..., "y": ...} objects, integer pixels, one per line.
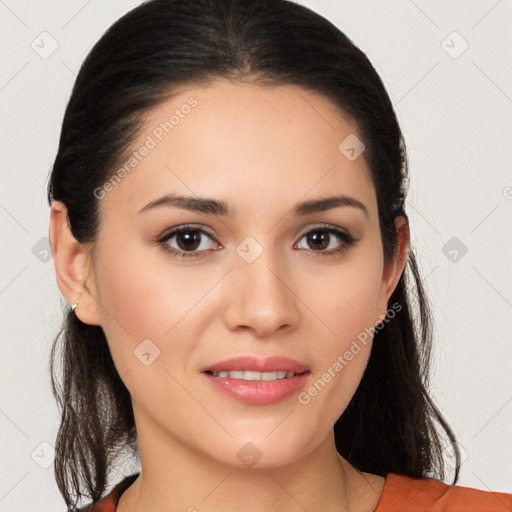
[{"x": 244, "y": 144}]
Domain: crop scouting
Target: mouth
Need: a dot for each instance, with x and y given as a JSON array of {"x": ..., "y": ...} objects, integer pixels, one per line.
[
  {"x": 249, "y": 375},
  {"x": 252, "y": 368},
  {"x": 256, "y": 381}
]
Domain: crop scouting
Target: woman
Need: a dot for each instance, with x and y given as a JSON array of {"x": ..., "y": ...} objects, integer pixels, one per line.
[{"x": 228, "y": 223}]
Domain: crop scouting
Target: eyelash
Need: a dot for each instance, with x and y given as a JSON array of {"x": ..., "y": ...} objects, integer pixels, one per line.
[{"x": 347, "y": 239}]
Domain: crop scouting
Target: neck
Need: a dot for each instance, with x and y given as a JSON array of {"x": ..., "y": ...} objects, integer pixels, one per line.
[{"x": 172, "y": 473}]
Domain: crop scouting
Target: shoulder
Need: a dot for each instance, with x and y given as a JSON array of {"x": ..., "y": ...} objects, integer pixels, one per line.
[
  {"x": 422, "y": 494},
  {"x": 109, "y": 502}
]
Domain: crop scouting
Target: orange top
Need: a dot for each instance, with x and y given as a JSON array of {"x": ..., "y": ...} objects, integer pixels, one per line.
[{"x": 400, "y": 493}]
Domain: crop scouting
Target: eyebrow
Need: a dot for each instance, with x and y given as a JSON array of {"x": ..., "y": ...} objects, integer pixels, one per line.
[{"x": 221, "y": 208}]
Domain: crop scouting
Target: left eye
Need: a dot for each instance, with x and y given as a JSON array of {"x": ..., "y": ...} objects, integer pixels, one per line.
[
  {"x": 321, "y": 235},
  {"x": 324, "y": 238}
]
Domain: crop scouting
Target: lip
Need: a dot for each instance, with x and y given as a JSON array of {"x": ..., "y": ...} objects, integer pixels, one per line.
[
  {"x": 258, "y": 392},
  {"x": 251, "y": 363}
]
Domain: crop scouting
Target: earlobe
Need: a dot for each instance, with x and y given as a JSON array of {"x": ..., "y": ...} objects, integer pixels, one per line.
[{"x": 72, "y": 266}]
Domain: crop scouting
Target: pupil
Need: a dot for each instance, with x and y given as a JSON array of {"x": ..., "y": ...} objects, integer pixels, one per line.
[
  {"x": 191, "y": 240},
  {"x": 314, "y": 238}
]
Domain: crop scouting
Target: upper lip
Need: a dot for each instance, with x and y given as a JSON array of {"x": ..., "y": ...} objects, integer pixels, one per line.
[{"x": 251, "y": 363}]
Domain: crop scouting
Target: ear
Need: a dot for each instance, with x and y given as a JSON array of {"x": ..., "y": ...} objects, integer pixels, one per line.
[
  {"x": 394, "y": 269},
  {"x": 73, "y": 266}
]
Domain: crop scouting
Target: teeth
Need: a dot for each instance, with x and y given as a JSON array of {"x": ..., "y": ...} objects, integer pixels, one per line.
[{"x": 249, "y": 375}]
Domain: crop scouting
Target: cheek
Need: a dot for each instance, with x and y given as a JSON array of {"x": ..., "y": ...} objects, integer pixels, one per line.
[
  {"x": 345, "y": 299},
  {"x": 142, "y": 290},
  {"x": 140, "y": 298},
  {"x": 346, "y": 304},
  {"x": 152, "y": 315},
  {"x": 144, "y": 316}
]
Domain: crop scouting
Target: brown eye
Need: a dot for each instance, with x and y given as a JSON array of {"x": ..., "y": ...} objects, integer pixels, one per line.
[
  {"x": 319, "y": 239},
  {"x": 187, "y": 242}
]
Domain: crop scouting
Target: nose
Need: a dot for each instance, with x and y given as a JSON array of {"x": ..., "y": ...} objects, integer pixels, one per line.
[{"x": 262, "y": 298}]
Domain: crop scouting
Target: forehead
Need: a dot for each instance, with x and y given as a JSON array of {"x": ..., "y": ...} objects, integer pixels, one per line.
[{"x": 245, "y": 143}]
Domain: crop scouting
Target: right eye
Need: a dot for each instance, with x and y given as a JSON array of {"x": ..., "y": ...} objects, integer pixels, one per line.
[{"x": 188, "y": 240}]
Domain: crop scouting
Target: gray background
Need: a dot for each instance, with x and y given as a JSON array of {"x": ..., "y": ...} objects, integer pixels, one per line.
[{"x": 455, "y": 109}]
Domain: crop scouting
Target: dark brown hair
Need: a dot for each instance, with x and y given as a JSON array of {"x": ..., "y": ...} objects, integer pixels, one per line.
[{"x": 391, "y": 424}]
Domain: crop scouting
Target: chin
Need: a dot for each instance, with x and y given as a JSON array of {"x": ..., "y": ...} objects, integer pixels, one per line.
[{"x": 259, "y": 453}]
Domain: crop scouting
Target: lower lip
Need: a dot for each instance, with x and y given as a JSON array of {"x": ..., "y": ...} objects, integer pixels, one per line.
[{"x": 258, "y": 392}]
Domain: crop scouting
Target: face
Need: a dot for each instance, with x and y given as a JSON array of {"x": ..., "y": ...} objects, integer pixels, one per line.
[{"x": 264, "y": 278}]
